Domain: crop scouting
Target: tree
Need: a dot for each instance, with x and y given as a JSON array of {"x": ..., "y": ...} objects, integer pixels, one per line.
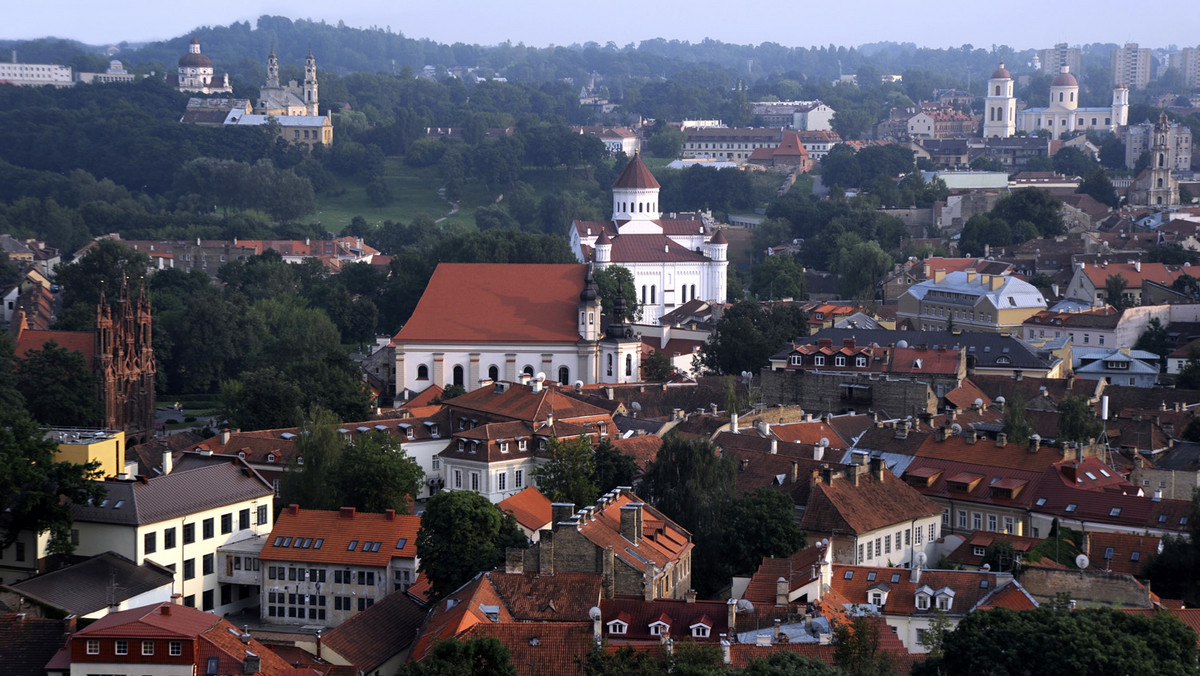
[
  {"x": 1096, "y": 184},
  {"x": 58, "y": 387},
  {"x": 567, "y": 475},
  {"x": 616, "y": 280},
  {"x": 935, "y": 635},
  {"x": 859, "y": 269},
  {"x": 748, "y": 334},
  {"x": 784, "y": 663},
  {"x": 37, "y": 490},
  {"x": 312, "y": 473},
  {"x": 656, "y": 366},
  {"x": 463, "y": 533},
  {"x": 1114, "y": 292},
  {"x": 667, "y": 143},
  {"x": 1076, "y": 420},
  {"x": 374, "y": 474},
  {"x": 612, "y": 467},
  {"x": 1034, "y": 205},
  {"x": 1103, "y": 640},
  {"x": 778, "y": 276},
  {"x": 1156, "y": 339},
  {"x": 102, "y": 269},
  {"x": 1070, "y": 161},
  {"x": 758, "y": 525},
  {"x": 262, "y": 399},
  {"x": 856, "y": 647},
  {"x": 482, "y": 656},
  {"x": 1189, "y": 375},
  {"x": 1016, "y": 426}
]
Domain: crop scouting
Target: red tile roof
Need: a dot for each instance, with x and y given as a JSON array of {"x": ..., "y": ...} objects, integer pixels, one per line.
[
  {"x": 539, "y": 648},
  {"x": 636, "y": 175},
  {"x": 663, "y": 542},
  {"x": 799, "y": 569},
  {"x": 651, "y": 249},
  {"x": 457, "y": 613},
  {"x": 970, "y": 587},
  {"x": 1129, "y": 554},
  {"x": 530, "y": 508},
  {"x": 83, "y": 342},
  {"x": 643, "y": 448},
  {"x": 341, "y": 537},
  {"x": 370, "y": 638},
  {"x": 843, "y": 506},
  {"x": 561, "y": 597},
  {"x": 489, "y": 303},
  {"x": 678, "y": 614}
]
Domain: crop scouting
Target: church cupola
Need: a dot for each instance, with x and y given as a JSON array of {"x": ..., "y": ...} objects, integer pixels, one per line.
[
  {"x": 718, "y": 247},
  {"x": 635, "y": 199},
  {"x": 1064, "y": 90},
  {"x": 1000, "y": 112},
  {"x": 603, "y": 249},
  {"x": 589, "y": 308}
]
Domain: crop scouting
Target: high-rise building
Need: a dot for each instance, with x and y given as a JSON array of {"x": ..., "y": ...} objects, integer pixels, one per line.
[
  {"x": 1052, "y": 60},
  {"x": 1131, "y": 65},
  {"x": 1187, "y": 62}
]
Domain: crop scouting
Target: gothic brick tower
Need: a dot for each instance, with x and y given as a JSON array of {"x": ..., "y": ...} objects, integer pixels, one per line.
[{"x": 124, "y": 365}]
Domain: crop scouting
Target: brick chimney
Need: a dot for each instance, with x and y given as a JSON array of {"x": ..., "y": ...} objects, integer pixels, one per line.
[
  {"x": 389, "y": 514},
  {"x": 731, "y": 615},
  {"x": 878, "y": 467},
  {"x": 514, "y": 560},
  {"x": 631, "y": 522},
  {"x": 781, "y": 592},
  {"x": 346, "y": 513},
  {"x": 293, "y": 509},
  {"x": 1001, "y": 440}
]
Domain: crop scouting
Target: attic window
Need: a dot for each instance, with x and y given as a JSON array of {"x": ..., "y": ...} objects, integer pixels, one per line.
[
  {"x": 287, "y": 542},
  {"x": 700, "y": 630},
  {"x": 983, "y": 584},
  {"x": 401, "y": 542},
  {"x": 1040, "y": 502},
  {"x": 1183, "y": 521},
  {"x": 1162, "y": 518},
  {"x": 617, "y": 627},
  {"x": 917, "y": 364},
  {"x": 242, "y": 455},
  {"x": 375, "y": 546},
  {"x": 350, "y": 547},
  {"x": 318, "y": 542},
  {"x": 1090, "y": 475},
  {"x": 1135, "y": 556},
  {"x": 461, "y": 445},
  {"x": 849, "y": 575},
  {"x": 270, "y": 457},
  {"x": 1108, "y": 553},
  {"x": 1071, "y": 507},
  {"x": 895, "y": 578},
  {"x": 120, "y": 503},
  {"x": 871, "y": 576},
  {"x": 979, "y": 551},
  {"x": 659, "y": 628},
  {"x": 1115, "y": 511},
  {"x": 522, "y": 445},
  {"x": 922, "y": 602},
  {"x": 504, "y": 447},
  {"x": 1003, "y": 360},
  {"x": 1105, "y": 473},
  {"x": 277, "y": 541}
]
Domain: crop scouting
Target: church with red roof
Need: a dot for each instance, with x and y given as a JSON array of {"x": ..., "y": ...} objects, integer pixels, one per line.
[{"x": 673, "y": 261}]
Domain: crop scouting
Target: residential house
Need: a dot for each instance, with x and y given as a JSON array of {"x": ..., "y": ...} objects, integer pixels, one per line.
[
  {"x": 637, "y": 550},
  {"x": 970, "y": 301},
  {"x": 1090, "y": 282},
  {"x": 179, "y": 520},
  {"x": 735, "y": 144},
  {"x": 323, "y": 567},
  {"x": 377, "y": 640},
  {"x": 165, "y": 638},
  {"x": 532, "y": 511},
  {"x": 98, "y": 585},
  {"x": 868, "y": 514},
  {"x": 1135, "y": 368}
]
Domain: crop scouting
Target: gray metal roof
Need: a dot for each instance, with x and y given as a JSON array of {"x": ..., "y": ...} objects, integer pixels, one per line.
[
  {"x": 988, "y": 349},
  {"x": 91, "y": 585},
  {"x": 1013, "y": 293},
  {"x": 182, "y": 492}
]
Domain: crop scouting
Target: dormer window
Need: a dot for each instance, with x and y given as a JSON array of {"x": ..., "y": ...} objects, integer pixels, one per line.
[
  {"x": 700, "y": 630},
  {"x": 242, "y": 455},
  {"x": 860, "y": 362},
  {"x": 819, "y": 360},
  {"x": 839, "y": 360},
  {"x": 877, "y": 598},
  {"x": 462, "y": 445},
  {"x": 410, "y": 433},
  {"x": 945, "y": 599},
  {"x": 474, "y": 446},
  {"x": 433, "y": 429},
  {"x": 922, "y": 601},
  {"x": 299, "y": 460},
  {"x": 617, "y": 627},
  {"x": 270, "y": 457},
  {"x": 659, "y": 628},
  {"x": 522, "y": 445},
  {"x": 503, "y": 447},
  {"x": 795, "y": 360}
]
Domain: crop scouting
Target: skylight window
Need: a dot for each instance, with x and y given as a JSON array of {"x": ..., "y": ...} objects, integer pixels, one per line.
[
  {"x": 871, "y": 576},
  {"x": 1090, "y": 476},
  {"x": 849, "y": 575},
  {"x": 277, "y": 542},
  {"x": 287, "y": 542},
  {"x": 318, "y": 542},
  {"x": 120, "y": 504},
  {"x": 401, "y": 542},
  {"x": 352, "y": 545},
  {"x": 1071, "y": 507},
  {"x": 1105, "y": 472},
  {"x": 1040, "y": 502},
  {"x": 307, "y": 543},
  {"x": 895, "y": 578},
  {"x": 298, "y": 544},
  {"x": 1115, "y": 511}
]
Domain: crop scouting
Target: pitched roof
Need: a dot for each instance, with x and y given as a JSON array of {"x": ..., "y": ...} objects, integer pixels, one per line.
[
  {"x": 561, "y": 597},
  {"x": 663, "y": 541},
  {"x": 538, "y": 648},
  {"x": 83, "y": 342},
  {"x": 872, "y": 502},
  {"x": 529, "y": 507},
  {"x": 459, "y": 612},
  {"x": 680, "y": 615},
  {"x": 159, "y": 620},
  {"x": 643, "y": 447},
  {"x": 969, "y": 587},
  {"x": 346, "y": 537},
  {"x": 636, "y": 175},
  {"x": 651, "y": 248},
  {"x": 798, "y": 570},
  {"x": 27, "y": 643},
  {"x": 520, "y": 402},
  {"x": 372, "y": 637},
  {"x": 1125, "y": 553},
  {"x": 88, "y": 586},
  {"x": 149, "y": 500},
  {"x": 489, "y": 303}
]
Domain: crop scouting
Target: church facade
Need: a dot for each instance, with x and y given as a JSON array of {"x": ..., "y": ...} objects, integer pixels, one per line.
[
  {"x": 1063, "y": 114},
  {"x": 481, "y": 323},
  {"x": 672, "y": 261},
  {"x": 291, "y": 99},
  {"x": 1155, "y": 186}
]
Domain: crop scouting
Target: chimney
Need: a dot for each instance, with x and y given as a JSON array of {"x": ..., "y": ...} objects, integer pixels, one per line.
[
  {"x": 1168, "y": 429},
  {"x": 852, "y": 474},
  {"x": 224, "y": 435},
  {"x": 1035, "y": 443},
  {"x": 795, "y": 471},
  {"x": 878, "y": 467},
  {"x": 648, "y": 582},
  {"x": 597, "y": 624},
  {"x": 689, "y": 596},
  {"x": 546, "y": 553},
  {"x": 733, "y": 423},
  {"x": 731, "y": 615},
  {"x": 997, "y": 282},
  {"x": 560, "y": 513},
  {"x": 726, "y": 657},
  {"x": 1001, "y": 440},
  {"x": 826, "y": 475},
  {"x": 764, "y": 428},
  {"x": 514, "y": 560},
  {"x": 777, "y": 631},
  {"x": 818, "y": 452},
  {"x": 1070, "y": 472},
  {"x": 631, "y": 522},
  {"x": 294, "y": 509},
  {"x": 915, "y": 576},
  {"x": 972, "y": 437},
  {"x": 168, "y": 462},
  {"x": 389, "y": 515},
  {"x": 774, "y": 446},
  {"x": 781, "y": 592},
  {"x": 347, "y": 513}
]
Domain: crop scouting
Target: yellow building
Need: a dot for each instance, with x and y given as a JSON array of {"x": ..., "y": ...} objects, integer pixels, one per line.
[
  {"x": 83, "y": 445},
  {"x": 969, "y": 301}
]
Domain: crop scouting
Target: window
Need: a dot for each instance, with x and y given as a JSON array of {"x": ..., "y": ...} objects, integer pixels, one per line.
[
  {"x": 700, "y": 631},
  {"x": 169, "y": 538},
  {"x": 962, "y": 519},
  {"x": 946, "y": 517},
  {"x": 208, "y": 566},
  {"x": 992, "y": 522},
  {"x": 422, "y": 372},
  {"x": 519, "y": 478},
  {"x": 922, "y": 602},
  {"x": 795, "y": 360},
  {"x": 189, "y": 533},
  {"x": 628, "y": 365},
  {"x": 860, "y": 554},
  {"x": 244, "y": 519},
  {"x": 175, "y": 648},
  {"x": 226, "y": 524},
  {"x": 977, "y": 521},
  {"x": 887, "y": 545},
  {"x": 458, "y": 478},
  {"x": 207, "y": 529},
  {"x": 189, "y": 569},
  {"x": 617, "y": 627},
  {"x": 839, "y": 360},
  {"x": 819, "y": 360},
  {"x": 860, "y": 362},
  {"x": 943, "y": 603},
  {"x": 659, "y": 628},
  {"x": 214, "y": 663},
  {"x": 978, "y": 551},
  {"x": 262, "y": 515},
  {"x": 917, "y": 535},
  {"x": 1009, "y": 525},
  {"x": 148, "y": 543},
  {"x": 502, "y": 481},
  {"x": 147, "y": 647},
  {"x": 122, "y": 647},
  {"x": 93, "y": 646},
  {"x": 1071, "y": 507},
  {"x": 475, "y": 481}
]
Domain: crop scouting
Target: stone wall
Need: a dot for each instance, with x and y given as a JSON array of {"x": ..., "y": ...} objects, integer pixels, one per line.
[
  {"x": 1088, "y": 588},
  {"x": 836, "y": 393}
]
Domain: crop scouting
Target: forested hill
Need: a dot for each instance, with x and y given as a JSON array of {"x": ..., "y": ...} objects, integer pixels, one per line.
[{"x": 241, "y": 49}]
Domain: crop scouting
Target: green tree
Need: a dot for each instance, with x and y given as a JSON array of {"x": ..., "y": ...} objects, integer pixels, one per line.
[
  {"x": 36, "y": 489},
  {"x": 102, "y": 269},
  {"x": 463, "y": 533},
  {"x": 1156, "y": 339},
  {"x": 612, "y": 467},
  {"x": 1096, "y": 184},
  {"x": 783, "y": 663},
  {"x": 748, "y": 334},
  {"x": 667, "y": 143},
  {"x": 58, "y": 387},
  {"x": 656, "y": 366},
  {"x": 1114, "y": 292},
  {"x": 1016, "y": 425},
  {"x": 935, "y": 635},
  {"x": 1189, "y": 375},
  {"x": 567, "y": 476},
  {"x": 615, "y": 280},
  {"x": 860, "y": 268},
  {"x": 759, "y": 525},
  {"x": 262, "y": 399},
  {"x": 311, "y": 479},
  {"x": 856, "y": 647},
  {"x": 778, "y": 276},
  {"x": 1070, "y": 161},
  {"x": 482, "y": 656},
  {"x": 374, "y": 474},
  {"x": 1034, "y": 205},
  {"x": 1076, "y": 420}
]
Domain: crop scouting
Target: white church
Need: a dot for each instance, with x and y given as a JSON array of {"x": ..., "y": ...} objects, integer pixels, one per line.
[
  {"x": 1061, "y": 115},
  {"x": 672, "y": 261}
]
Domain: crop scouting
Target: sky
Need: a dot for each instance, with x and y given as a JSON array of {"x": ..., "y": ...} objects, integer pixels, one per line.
[{"x": 933, "y": 23}]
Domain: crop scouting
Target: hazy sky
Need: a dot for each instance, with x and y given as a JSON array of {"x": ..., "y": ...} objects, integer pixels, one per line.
[{"x": 934, "y": 23}]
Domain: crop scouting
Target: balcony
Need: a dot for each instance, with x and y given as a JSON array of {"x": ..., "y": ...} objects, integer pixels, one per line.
[{"x": 237, "y": 562}]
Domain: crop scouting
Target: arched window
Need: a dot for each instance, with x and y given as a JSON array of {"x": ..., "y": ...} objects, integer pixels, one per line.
[
  {"x": 528, "y": 370},
  {"x": 629, "y": 365},
  {"x": 494, "y": 372},
  {"x": 458, "y": 375},
  {"x": 997, "y": 90},
  {"x": 610, "y": 364},
  {"x": 591, "y": 318},
  {"x": 1160, "y": 182},
  {"x": 1162, "y": 160},
  {"x": 564, "y": 375},
  {"x": 643, "y": 294},
  {"x": 693, "y": 292},
  {"x": 640, "y": 205},
  {"x": 1060, "y": 96},
  {"x": 422, "y": 372},
  {"x": 652, "y": 299}
]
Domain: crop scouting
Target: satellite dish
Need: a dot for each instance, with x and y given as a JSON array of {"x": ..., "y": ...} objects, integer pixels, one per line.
[
  {"x": 823, "y": 442},
  {"x": 746, "y": 374},
  {"x": 1000, "y": 400},
  {"x": 1082, "y": 561},
  {"x": 744, "y": 605},
  {"x": 987, "y": 566},
  {"x": 824, "y": 542},
  {"x": 978, "y": 402},
  {"x": 540, "y": 377},
  {"x": 594, "y": 613},
  {"x": 902, "y": 343},
  {"x": 956, "y": 428},
  {"x": 637, "y": 408},
  {"x": 578, "y": 385},
  {"x": 920, "y": 559}
]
